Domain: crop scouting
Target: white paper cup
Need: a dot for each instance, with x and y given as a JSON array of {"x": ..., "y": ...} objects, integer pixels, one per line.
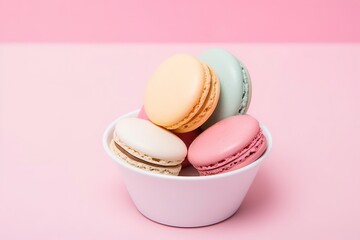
[{"x": 186, "y": 201}]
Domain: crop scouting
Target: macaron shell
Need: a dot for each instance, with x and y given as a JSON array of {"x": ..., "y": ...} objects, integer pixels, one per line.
[
  {"x": 149, "y": 139},
  {"x": 206, "y": 107},
  {"x": 187, "y": 137},
  {"x": 230, "y": 73},
  {"x": 223, "y": 139},
  {"x": 174, "y": 89}
]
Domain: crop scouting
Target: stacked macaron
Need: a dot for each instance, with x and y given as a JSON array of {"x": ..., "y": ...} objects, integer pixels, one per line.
[
  {"x": 182, "y": 93},
  {"x": 194, "y": 112}
]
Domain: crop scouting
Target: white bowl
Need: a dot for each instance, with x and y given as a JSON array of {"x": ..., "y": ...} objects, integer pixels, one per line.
[{"x": 186, "y": 200}]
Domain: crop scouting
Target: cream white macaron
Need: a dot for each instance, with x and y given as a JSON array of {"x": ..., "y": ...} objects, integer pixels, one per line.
[{"x": 144, "y": 145}]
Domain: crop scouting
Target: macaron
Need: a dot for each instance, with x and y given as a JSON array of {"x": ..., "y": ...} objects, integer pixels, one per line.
[
  {"x": 235, "y": 84},
  {"x": 187, "y": 137},
  {"x": 227, "y": 145},
  {"x": 144, "y": 145},
  {"x": 181, "y": 94}
]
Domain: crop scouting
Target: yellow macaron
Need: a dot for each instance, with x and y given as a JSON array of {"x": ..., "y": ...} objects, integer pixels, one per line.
[{"x": 181, "y": 94}]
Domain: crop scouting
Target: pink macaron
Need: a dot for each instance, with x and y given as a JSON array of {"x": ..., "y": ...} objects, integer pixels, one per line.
[{"x": 228, "y": 145}]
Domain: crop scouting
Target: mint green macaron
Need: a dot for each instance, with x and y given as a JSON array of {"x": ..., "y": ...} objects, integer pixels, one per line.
[{"x": 235, "y": 84}]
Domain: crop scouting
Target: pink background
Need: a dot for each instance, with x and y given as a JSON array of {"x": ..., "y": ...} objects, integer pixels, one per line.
[
  {"x": 179, "y": 21},
  {"x": 56, "y": 182}
]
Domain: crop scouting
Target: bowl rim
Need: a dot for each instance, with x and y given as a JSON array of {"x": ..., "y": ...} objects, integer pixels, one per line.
[{"x": 111, "y": 126}]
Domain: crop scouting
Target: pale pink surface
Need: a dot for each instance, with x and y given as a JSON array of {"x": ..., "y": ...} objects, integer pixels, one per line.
[
  {"x": 179, "y": 21},
  {"x": 56, "y": 181}
]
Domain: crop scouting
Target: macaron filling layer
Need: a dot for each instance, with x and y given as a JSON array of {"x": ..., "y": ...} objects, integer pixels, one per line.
[
  {"x": 142, "y": 164},
  {"x": 207, "y": 108},
  {"x": 202, "y": 110},
  {"x": 141, "y": 156},
  {"x": 245, "y": 99},
  {"x": 257, "y": 144},
  {"x": 132, "y": 157}
]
